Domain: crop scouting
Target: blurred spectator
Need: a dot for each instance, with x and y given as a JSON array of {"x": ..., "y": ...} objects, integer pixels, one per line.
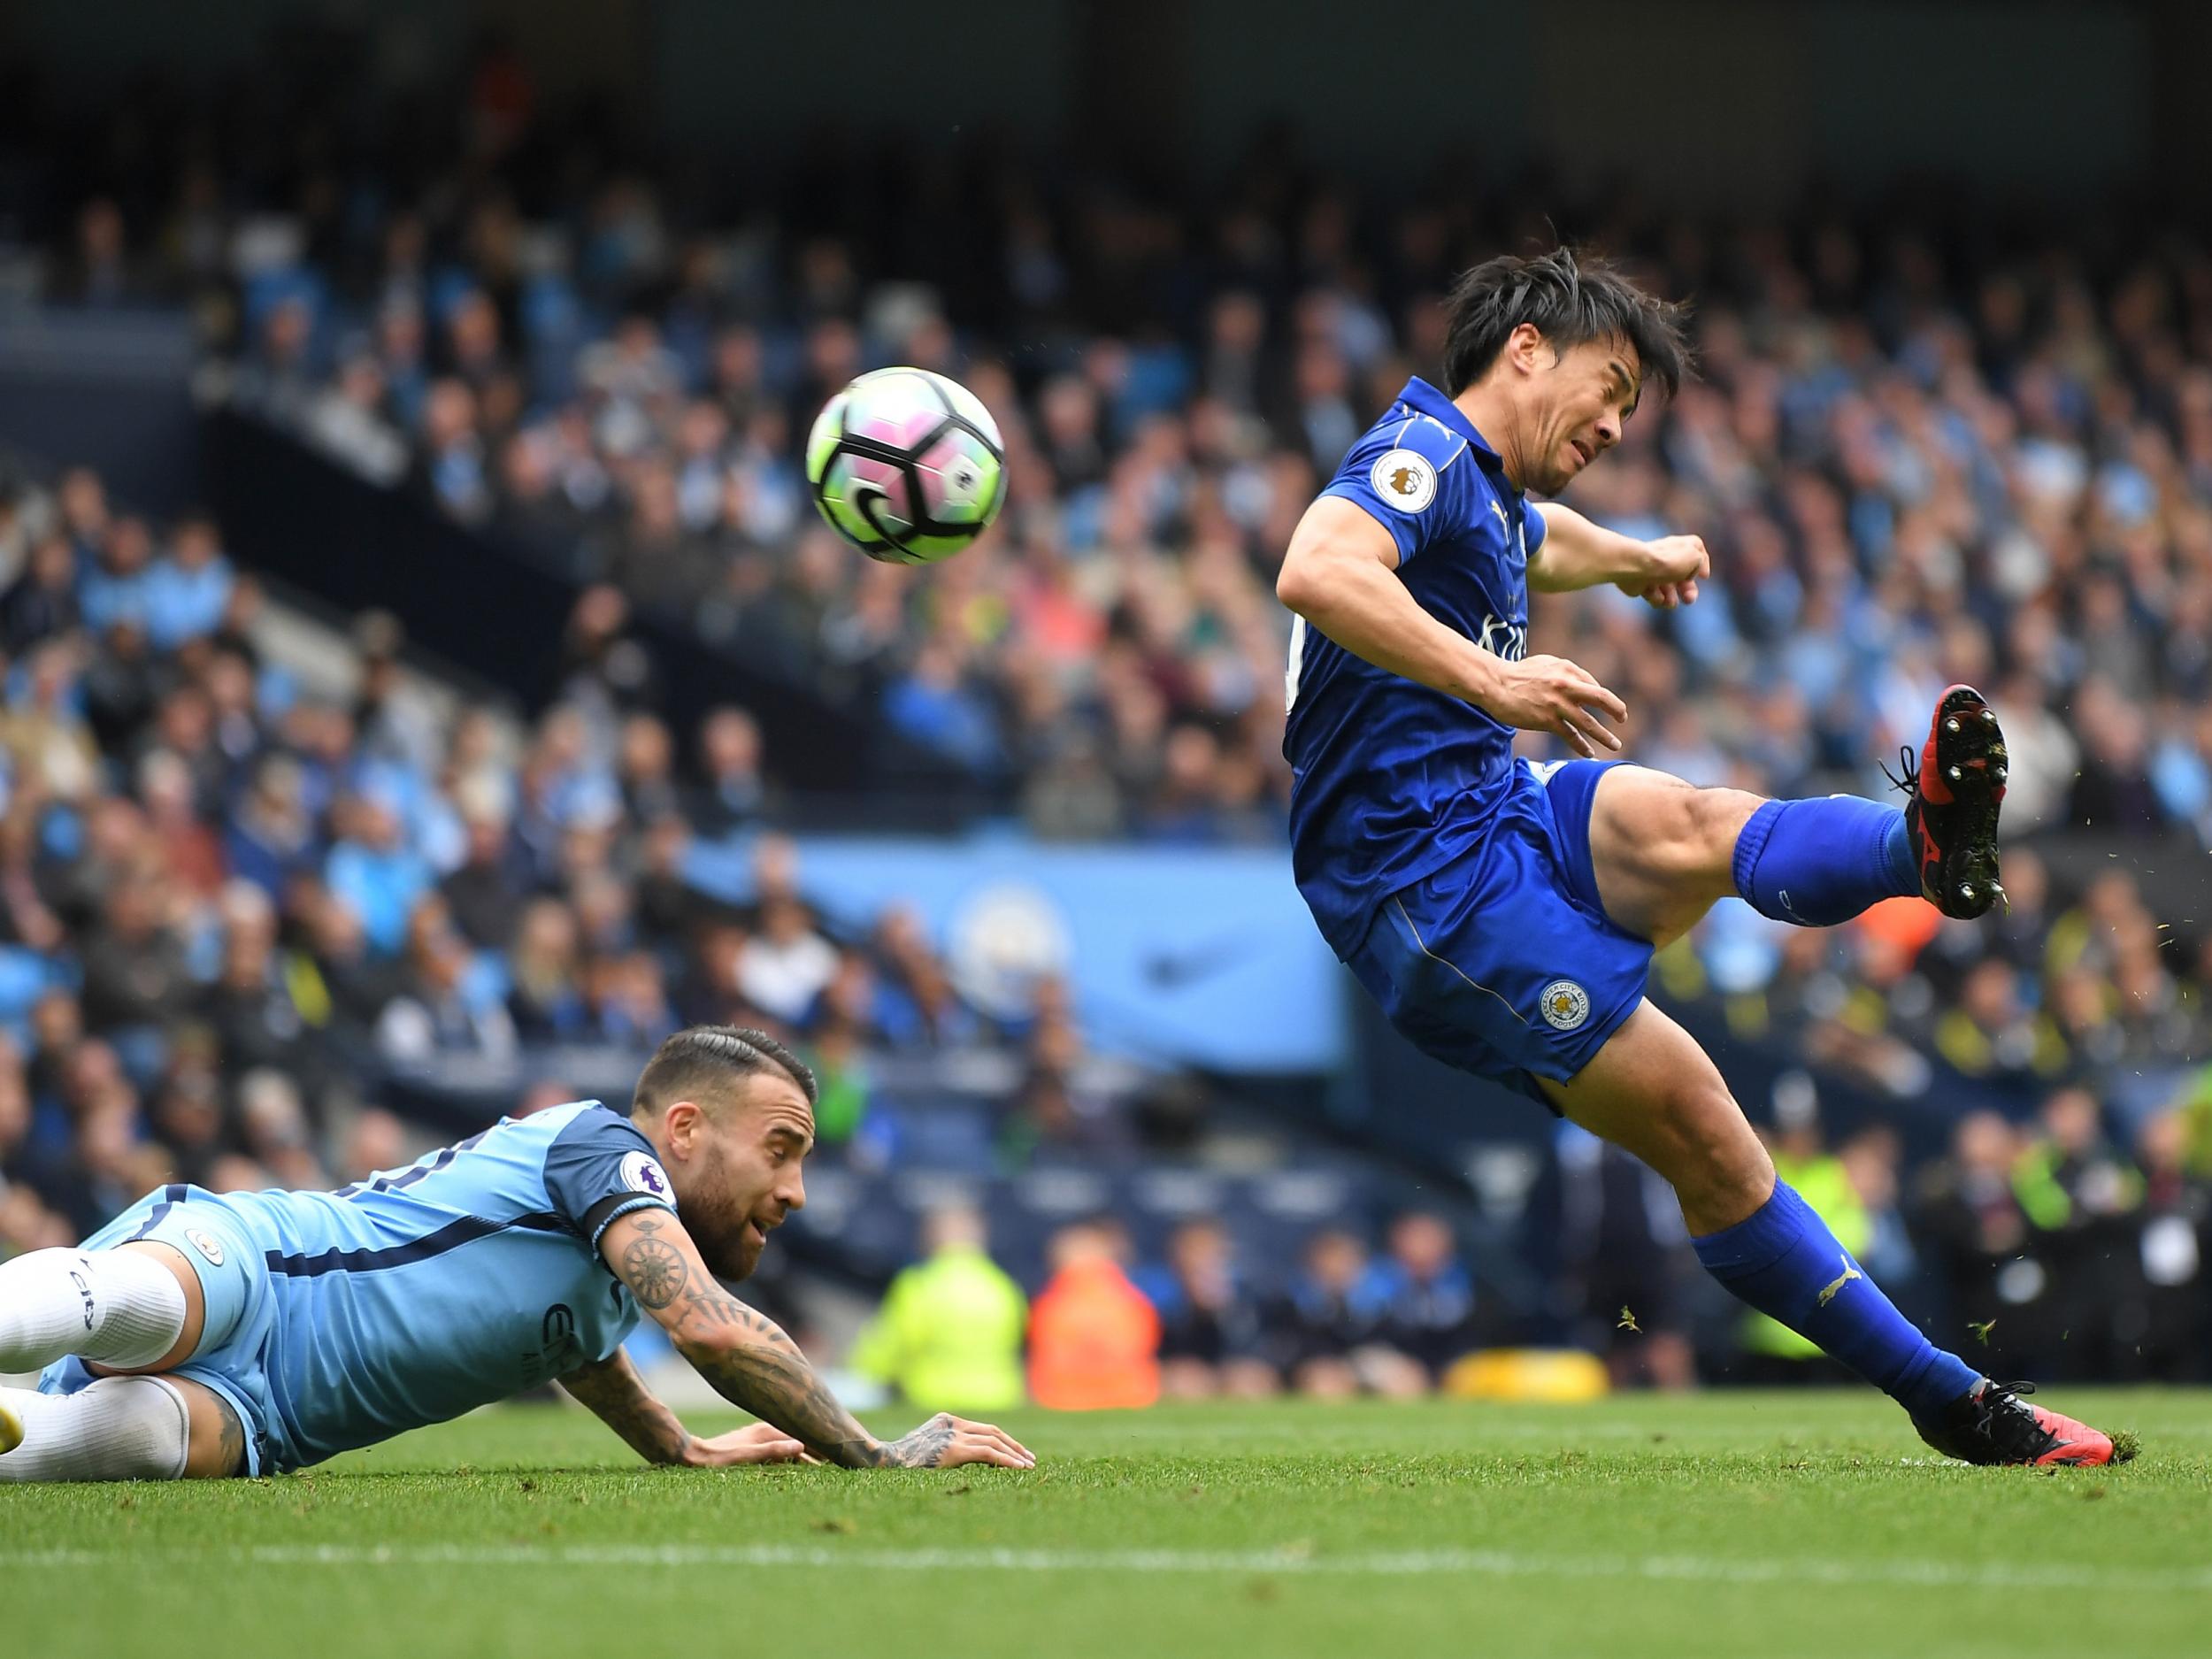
[
  {"x": 785, "y": 965},
  {"x": 1975, "y": 1237},
  {"x": 485, "y": 892},
  {"x": 949, "y": 1335},
  {"x": 251, "y": 1008},
  {"x": 1871, "y": 1161},
  {"x": 733, "y": 795},
  {"x": 2161, "y": 1326},
  {"x": 1428, "y": 1293},
  {"x": 2079, "y": 1193},
  {"x": 1211, "y": 1335},
  {"x": 372, "y": 871},
  {"x": 188, "y": 589},
  {"x": 543, "y": 999},
  {"x": 437, "y": 1012},
  {"x": 42, "y": 601},
  {"x": 1093, "y": 1339},
  {"x": 1625, "y": 1262},
  {"x": 1326, "y": 1331}
]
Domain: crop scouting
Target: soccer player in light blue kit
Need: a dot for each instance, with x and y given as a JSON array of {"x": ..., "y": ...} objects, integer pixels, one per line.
[
  {"x": 1504, "y": 914},
  {"x": 251, "y": 1333}
]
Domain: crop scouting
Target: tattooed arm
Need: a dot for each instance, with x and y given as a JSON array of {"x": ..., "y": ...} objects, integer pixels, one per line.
[
  {"x": 754, "y": 1365},
  {"x": 618, "y": 1397}
]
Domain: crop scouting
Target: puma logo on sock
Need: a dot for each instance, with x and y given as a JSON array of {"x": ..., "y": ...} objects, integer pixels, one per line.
[
  {"x": 84, "y": 1290},
  {"x": 1828, "y": 1292}
]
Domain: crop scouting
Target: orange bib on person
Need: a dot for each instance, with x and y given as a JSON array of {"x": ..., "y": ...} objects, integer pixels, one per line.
[{"x": 1094, "y": 1342}]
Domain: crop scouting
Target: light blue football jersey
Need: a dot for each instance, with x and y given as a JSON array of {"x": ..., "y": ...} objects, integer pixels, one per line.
[{"x": 422, "y": 1293}]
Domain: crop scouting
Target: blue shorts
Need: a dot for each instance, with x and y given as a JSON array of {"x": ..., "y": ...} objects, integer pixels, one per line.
[
  {"x": 1503, "y": 962},
  {"x": 240, "y": 1312}
]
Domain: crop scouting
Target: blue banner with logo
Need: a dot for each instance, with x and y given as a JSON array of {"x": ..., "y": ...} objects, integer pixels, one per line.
[{"x": 1202, "y": 956}]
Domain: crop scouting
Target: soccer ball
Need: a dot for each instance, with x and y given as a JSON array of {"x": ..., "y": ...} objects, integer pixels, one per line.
[{"x": 906, "y": 466}]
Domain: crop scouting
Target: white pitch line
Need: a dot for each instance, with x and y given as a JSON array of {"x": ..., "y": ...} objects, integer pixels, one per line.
[{"x": 1407, "y": 1564}]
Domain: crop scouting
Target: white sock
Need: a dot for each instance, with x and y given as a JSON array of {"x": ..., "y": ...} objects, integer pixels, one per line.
[
  {"x": 120, "y": 1307},
  {"x": 121, "y": 1428}
]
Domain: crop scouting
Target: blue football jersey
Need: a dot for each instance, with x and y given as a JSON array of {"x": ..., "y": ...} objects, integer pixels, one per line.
[
  {"x": 1390, "y": 778},
  {"x": 465, "y": 1277}
]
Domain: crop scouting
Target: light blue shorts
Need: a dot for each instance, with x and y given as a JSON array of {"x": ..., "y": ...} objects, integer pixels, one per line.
[{"x": 240, "y": 1312}]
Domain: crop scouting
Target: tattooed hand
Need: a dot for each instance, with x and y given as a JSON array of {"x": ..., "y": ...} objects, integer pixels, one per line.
[
  {"x": 752, "y": 1362},
  {"x": 946, "y": 1442}
]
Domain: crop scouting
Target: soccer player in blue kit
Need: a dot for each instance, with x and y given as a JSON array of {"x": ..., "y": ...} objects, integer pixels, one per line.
[
  {"x": 1504, "y": 913},
  {"x": 250, "y": 1333}
]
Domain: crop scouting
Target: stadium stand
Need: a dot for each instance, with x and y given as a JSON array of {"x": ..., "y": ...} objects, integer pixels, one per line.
[{"x": 255, "y": 933}]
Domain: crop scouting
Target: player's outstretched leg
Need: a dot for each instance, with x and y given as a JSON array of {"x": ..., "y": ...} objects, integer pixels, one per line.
[
  {"x": 1652, "y": 1090},
  {"x": 1662, "y": 851},
  {"x": 124, "y": 1307},
  {"x": 119, "y": 1428},
  {"x": 1818, "y": 863}
]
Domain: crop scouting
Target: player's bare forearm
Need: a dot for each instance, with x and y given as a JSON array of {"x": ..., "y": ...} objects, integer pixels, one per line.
[
  {"x": 1577, "y": 553},
  {"x": 745, "y": 1354},
  {"x": 754, "y": 1364},
  {"x": 617, "y": 1397}
]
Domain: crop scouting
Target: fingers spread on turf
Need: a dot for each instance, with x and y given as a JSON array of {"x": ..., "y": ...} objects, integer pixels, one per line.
[
  {"x": 994, "y": 1444},
  {"x": 974, "y": 1449}
]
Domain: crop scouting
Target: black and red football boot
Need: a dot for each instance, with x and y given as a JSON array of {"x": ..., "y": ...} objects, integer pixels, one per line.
[
  {"x": 1991, "y": 1424},
  {"x": 1956, "y": 789}
]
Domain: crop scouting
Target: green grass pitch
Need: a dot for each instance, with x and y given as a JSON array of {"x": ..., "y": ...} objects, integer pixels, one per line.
[{"x": 1768, "y": 1525}]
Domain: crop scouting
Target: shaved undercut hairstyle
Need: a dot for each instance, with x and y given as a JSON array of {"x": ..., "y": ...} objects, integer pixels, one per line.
[
  {"x": 1569, "y": 297},
  {"x": 702, "y": 1062}
]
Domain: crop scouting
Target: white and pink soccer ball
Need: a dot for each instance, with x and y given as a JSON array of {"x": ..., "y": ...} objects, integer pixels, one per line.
[{"x": 907, "y": 466}]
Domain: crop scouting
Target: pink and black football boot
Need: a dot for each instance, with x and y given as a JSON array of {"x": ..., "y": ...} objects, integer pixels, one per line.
[
  {"x": 1991, "y": 1424},
  {"x": 1957, "y": 790}
]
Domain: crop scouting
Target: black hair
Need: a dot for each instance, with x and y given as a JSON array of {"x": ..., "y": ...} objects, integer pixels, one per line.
[
  {"x": 1570, "y": 298},
  {"x": 702, "y": 1058}
]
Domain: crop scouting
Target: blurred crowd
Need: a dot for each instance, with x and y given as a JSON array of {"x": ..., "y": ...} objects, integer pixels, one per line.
[
  {"x": 1921, "y": 451},
  {"x": 2047, "y": 1249},
  {"x": 232, "y": 904},
  {"x": 1106, "y": 1331}
]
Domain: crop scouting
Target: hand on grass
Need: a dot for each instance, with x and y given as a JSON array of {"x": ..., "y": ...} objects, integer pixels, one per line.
[
  {"x": 756, "y": 1443},
  {"x": 946, "y": 1442}
]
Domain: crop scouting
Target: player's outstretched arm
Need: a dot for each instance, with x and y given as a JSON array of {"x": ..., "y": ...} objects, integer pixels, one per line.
[
  {"x": 618, "y": 1397},
  {"x": 754, "y": 1366},
  {"x": 1342, "y": 575},
  {"x": 1575, "y": 553}
]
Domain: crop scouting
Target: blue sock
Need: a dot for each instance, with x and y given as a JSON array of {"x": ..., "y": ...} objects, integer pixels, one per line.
[
  {"x": 1785, "y": 1261},
  {"x": 1820, "y": 861}
]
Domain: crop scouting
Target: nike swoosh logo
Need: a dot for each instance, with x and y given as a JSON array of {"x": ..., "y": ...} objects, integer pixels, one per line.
[{"x": 1172, "y": 970}]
